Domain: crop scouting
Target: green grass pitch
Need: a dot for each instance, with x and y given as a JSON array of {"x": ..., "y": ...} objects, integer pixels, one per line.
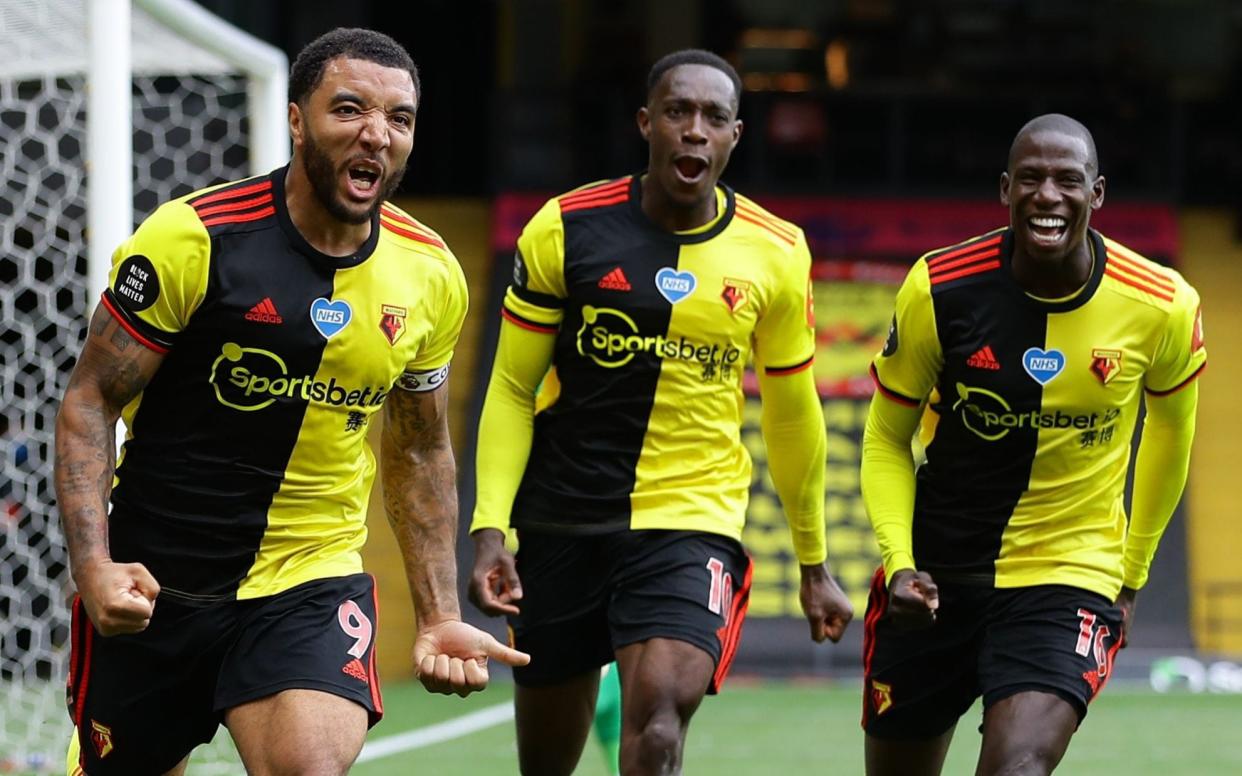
[{"x": 788, "y": 728}]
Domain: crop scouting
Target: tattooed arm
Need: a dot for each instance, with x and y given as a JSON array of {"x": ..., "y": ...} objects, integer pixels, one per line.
[
  {"x": 420, "y": 497},
  {"x": 112, "y": 370}
]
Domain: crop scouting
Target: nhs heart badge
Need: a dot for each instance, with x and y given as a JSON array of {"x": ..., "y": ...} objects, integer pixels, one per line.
[
  {"x": 673, "y": 285},
  {"x": 1043, "y": 365},
  {"x": 330, "y": 317}
]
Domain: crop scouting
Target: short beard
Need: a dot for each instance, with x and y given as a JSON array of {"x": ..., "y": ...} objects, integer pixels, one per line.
[{"x": 322, "y": 176}]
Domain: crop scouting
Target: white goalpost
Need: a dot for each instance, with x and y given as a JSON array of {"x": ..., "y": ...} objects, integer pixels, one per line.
[{"x": 107, "y": 108}]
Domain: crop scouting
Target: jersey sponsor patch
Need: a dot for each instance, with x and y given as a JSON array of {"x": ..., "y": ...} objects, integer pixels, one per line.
[
  {"x": 330, "y": 317},
  {"x": 421, "y": 382},
  {"x": 1043, "y": 365},
  {"x": 673, "y": 285},
  {"x": 137, "y": 285},
  {"x": 250, "y": 379}
]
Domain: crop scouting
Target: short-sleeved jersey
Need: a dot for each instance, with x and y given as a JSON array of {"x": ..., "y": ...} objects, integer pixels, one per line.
[
  {"x": 246, "y": 468},
  {"x": 653, "y": 332},
  {"x": 1032, "y": 405}
]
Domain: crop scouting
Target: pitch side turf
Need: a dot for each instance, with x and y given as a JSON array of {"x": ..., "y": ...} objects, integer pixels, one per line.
[{"x": 789, "y": 728}]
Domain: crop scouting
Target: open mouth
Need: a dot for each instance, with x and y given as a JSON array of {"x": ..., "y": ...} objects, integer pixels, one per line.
[
  {"x": 364, "y": 179},
  {"x": 1048, "y": 229},
  {"x": 690, "y": 168}
]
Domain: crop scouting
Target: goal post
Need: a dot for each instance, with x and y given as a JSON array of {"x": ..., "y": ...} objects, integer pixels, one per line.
[{"x": 107, "y": 108}]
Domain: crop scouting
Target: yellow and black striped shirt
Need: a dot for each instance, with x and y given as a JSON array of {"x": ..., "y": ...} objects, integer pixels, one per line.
[
  {"x": 640, "y": 425},
  {"x": 246, "y": 469},
  {"x": 1032, "y": 405}
]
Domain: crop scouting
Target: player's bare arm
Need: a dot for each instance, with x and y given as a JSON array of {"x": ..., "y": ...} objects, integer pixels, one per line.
[
  {"x": 420, "y": 498},
  {"x": 112, "y": 369}
]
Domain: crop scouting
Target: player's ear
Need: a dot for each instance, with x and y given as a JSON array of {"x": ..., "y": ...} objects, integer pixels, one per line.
[
  {"x": 1004, "y": 189},
  {"x": 295, "y": 124},
  {"x": 1097, "y": 193},
  {"x": 644, "y": 123},
  {"x": 737, "y": 133}
]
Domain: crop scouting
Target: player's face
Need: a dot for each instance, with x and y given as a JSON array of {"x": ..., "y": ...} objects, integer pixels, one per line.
[
  {"x": 1050, "y": 190},
  {"x": 691, "y": 126},
  {"x": 355, "y": 135}
]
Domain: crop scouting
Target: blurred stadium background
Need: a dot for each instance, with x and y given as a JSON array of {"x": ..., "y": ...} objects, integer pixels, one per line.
[{"x": 879, "y": 126}]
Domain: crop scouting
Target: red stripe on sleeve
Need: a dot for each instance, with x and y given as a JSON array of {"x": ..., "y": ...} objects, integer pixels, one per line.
[
  {"x": 889, "y": 394},
  {"x": 130, "y": 328},
  {"x": 1180, "y": 385},
  {"x": 517, "y": 320},
  {"x": 788, "y": 370}
]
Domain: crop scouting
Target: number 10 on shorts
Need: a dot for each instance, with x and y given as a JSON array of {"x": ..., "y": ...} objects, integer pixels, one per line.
[
  {"x": 720, "y": 593},
  {"x": 1092, "y": 639}
]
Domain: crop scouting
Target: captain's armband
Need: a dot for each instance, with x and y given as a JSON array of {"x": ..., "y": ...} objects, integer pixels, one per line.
[{"x": 421, "y": 382}]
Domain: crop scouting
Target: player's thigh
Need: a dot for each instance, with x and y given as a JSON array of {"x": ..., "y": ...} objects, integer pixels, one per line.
[
  {"x": 553, "y": 722},
  {"x": 563, "y": 620},
  {"x": 1029, "y": 730},
  {"x": 308, "y": 732},
  {"x": 298, "y": 688},
  {"x": 917, "y": 683},
  {"x": 688, "y": 588},
  {"x": 142, "y": 702},
  {"x": 907, "y": 757},
  {"x": 662, "y": 677},
  {"x": 1051, "y": 638}
]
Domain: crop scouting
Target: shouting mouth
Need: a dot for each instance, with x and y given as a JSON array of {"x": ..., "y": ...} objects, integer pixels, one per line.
[
  {"x": 690, "y": 169},
  {"x": 363, "y": 180}
]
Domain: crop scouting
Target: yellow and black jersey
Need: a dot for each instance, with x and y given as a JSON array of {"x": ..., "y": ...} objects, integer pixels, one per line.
[
  {"x": 1031, "y": 407},
  {"x": 246, "y": 468},
  {"x": 639, "y": 426}
]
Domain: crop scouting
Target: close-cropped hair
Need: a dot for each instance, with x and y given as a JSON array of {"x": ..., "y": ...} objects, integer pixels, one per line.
[
  {"x": 350, "y": 42},
  {"x": 693, "y": 57}
]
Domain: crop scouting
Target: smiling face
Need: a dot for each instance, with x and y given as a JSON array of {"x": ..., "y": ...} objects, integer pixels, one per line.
[
  {"x": 354, "y": 135},
  {"x": 1051, "y": 188},
  {"x": 690, "y": 123}
]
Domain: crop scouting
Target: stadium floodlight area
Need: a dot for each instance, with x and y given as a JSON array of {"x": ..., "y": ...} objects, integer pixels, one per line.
[{"x": 107, "y": 108}]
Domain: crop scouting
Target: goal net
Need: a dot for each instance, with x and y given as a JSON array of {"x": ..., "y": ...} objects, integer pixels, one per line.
[{"x": 206, "y": 104}]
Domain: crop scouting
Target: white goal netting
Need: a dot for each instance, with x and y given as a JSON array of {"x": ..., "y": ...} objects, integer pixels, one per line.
[{"x": 190, "y": 128}]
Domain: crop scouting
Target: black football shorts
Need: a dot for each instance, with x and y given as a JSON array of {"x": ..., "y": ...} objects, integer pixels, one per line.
[
  {"x": 141, "y": 702},
  {"x": 586, "y": 596},
  {"x": 986, "y": 642}
]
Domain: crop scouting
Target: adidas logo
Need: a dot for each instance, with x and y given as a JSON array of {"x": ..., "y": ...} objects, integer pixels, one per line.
[
  {"x": 983, "y": 359},
  {"x": 264, "y": 312},
  {"x": 615, "y": 281},
  {"x": 354, "y": 668}
]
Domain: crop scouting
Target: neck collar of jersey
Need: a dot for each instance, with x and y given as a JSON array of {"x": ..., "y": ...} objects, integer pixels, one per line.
[
  {"x": 1072, "y": 302},
  {"x": 305, "y": 248},
  {"x": 688, "y": 237}
]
